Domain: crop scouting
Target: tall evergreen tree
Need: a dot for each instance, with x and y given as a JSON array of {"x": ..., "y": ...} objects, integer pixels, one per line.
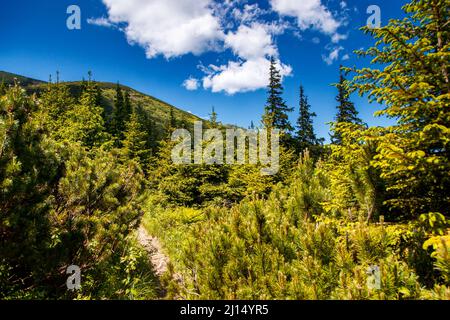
[
  {"x": 127, "y": 107},
  {"x": 56, "y": 101},
  {"x": 413, "y": 82},
  {"x": 275, "y": 113},
  {"x": 347, "y": 112},
  {"x": 183, "y": 121},
  {"x": 171, "y": 124},
  {"x": 213, "y": 118},
  {"x": 118, "y": 123},
  {"x": 136, "y": 140},
  {"x": 29, "y": 170},
  {"x": 148, "y": 126},
  {"x": 2, "y": 87},
  {"x": 85, "y": 122},
  {"x": 92, "y": 88},
  {"x": 83, "y": 84},
  {"x": 305, "y": 136}
]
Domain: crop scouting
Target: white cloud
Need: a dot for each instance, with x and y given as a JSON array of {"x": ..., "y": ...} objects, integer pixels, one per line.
[
  {"x": 309, "y": 14},
  {"x": 102, "y": 22},
  {"x": 251, "y": 42},
  {"x": 249, "y": 13},
  {"x": 177, "y": 27},
  {"x": 345, "y": 57},
  {"x": 335, "y": 38},
  {"x": 242, "y": 76},
  {"x": 167, "y": 27},
  {"x": 173, "y": 28},
  {"x": 191, "y": 84},
  {"x": 332, "y": 56},
  {"x": 254, "y": 45}
]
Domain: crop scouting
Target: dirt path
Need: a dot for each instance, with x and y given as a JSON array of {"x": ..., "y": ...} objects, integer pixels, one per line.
[
  {"x": 157, "y": 258},
  {"x": 154, "y": 249}
]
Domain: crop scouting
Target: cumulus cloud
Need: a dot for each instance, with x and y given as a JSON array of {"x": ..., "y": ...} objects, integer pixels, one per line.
[
  {"x": 242, "y": 76},
  {"x": 250, "y": 42},
  {"x": 191, "y": 84},
  {"x": 173, "y": 28},
  {"x": 309, "y": 14},
  {"x": 254, "y": 45},
  {"x": 167, "y": 27}
]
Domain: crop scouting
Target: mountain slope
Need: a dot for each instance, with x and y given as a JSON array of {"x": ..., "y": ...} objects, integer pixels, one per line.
[
  {"x": 157, "y": 110},
  {"x": 10, "y": 78}
]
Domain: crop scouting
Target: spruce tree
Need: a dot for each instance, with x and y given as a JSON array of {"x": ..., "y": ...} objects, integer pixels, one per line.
[
  {"x": 92, "y": 88},
  {"x": 85, "y": 122},
  {"x": 171, "y": 124},
  {"x": 276, "y": 111},
  {"x": 305, "y": 136},
  {"x": 136, "y": 140},
  {"x": 213, "y": 118},
  {"x": 149, "y": 126},
  {"x": 118, "y": 121},
  {"x": 2, "y": 87},
  {"x": 29, "y": 171},
  {"x": 83, "y": 84},
  {"x": 412, "y": 80},
  {"x": 275, "y": 115},
  {"x": 56, "y": 101},
  {"x": 127, "y": 107},
  {"x": 347, "y": 112},
  {"x": 183, "y": 121}
]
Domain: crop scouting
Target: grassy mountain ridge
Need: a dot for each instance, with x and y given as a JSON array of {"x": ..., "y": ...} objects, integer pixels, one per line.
[
  {"x": 158, "y": 110},
  {"x": 9, "y": 79}
]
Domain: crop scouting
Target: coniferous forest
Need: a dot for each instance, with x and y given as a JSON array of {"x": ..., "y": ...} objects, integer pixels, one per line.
[{"x": 87, "y": 179}]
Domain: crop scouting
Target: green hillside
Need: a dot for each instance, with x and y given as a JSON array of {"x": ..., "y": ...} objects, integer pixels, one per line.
[
  {"x": 10, "y": 78},
  {"x": 157, "y": 110}
]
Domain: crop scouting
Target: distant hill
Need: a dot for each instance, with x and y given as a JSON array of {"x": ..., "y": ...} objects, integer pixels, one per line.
[
  {"x": 10, "y": 78},
  {"x": 158, "y": 110}
]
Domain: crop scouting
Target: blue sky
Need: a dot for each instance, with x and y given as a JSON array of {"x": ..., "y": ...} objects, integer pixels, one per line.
[{"x": 155, "y": 46}]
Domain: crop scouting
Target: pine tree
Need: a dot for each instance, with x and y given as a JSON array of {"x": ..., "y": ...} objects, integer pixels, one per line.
[
  {"x": 347, "y": 112},
  {"x": 29, "y": 171},
  {"x": 149, "y": 126},
  {"x": 3, "y": 87},
  {"x": 118, "y": 122},
  {"x": 92, "y": 88},
  {"x": 275, "y": 114},
  {"x": 213, "y": 118},
  {"x": 413, "y": 83},
  {"x": 183, "y": 121},
  {"x": 85, "y": 123},
  {"x": 136, "y": 140},
  {"x": 83, "y": 84},
  {"x": 171, "y": 124},
  {"x": 127, "y": 107},
  {"x": 56, "y": 101},
  {"x": 306, "y": 138}
]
